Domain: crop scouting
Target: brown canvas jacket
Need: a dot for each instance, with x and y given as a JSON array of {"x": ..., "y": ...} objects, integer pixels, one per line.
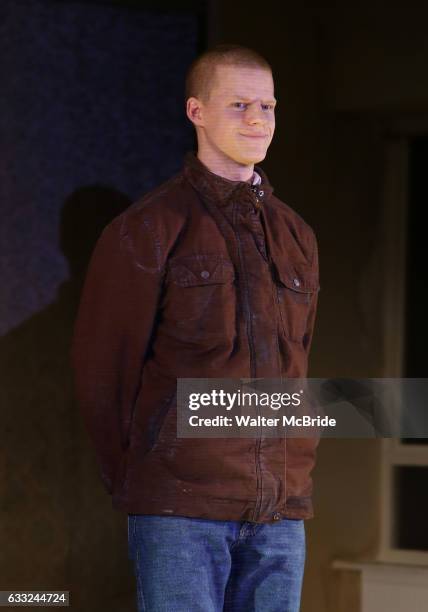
[{"x": 202, "y": 278}]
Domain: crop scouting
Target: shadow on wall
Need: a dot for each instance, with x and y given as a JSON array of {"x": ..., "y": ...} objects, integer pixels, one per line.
[{"x": 58, "y": 528}]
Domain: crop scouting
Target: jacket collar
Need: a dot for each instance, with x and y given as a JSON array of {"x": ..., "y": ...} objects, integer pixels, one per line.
[{"x": 219, "y": 189}]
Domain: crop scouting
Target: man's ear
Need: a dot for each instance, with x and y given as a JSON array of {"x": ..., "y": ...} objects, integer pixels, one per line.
[{"x": 194, "y": 111}]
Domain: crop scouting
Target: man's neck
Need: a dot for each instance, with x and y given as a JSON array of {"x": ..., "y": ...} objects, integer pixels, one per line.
[{"x": 227, "y": 169}]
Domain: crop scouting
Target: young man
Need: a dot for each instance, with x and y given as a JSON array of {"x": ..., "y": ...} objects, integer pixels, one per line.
[{"x": 208, "y": 276}]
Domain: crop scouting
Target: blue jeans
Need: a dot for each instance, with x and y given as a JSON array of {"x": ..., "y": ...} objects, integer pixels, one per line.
[{"x": 198, "y": 565}]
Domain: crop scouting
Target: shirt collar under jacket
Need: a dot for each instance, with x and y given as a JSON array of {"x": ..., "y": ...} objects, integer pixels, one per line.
[
  {"x": 257, "y": 179},
  {"x": 221, "y": 190}
]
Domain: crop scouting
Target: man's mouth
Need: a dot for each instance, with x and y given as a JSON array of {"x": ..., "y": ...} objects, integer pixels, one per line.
[{"x": 254, "y": 135}]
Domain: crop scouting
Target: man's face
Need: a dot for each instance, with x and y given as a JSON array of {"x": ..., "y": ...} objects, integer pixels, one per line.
[{"x": 237, "y": 122}]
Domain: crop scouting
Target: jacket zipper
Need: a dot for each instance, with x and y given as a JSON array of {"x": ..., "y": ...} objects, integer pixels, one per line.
[
  {"x": 253, "y": 374},
  {"x": 276, "y": 293},
  {"x": 247, "y": 307}
]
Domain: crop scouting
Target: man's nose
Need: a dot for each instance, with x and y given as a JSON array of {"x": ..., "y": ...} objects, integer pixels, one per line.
[{"x": 255, "y": 114}]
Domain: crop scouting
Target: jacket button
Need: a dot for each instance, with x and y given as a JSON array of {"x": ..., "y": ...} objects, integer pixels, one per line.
[
  {"x": 205, "y": 274},
  {"x": 261, "y": 193},
  {"x": 277, "y": 516},
  {"x": 296, "y": 282}
]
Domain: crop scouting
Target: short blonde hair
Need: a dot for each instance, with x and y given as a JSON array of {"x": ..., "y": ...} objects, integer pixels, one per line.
[{"x": 201, "y": 73}]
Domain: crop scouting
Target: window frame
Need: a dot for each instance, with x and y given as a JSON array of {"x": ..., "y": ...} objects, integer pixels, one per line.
[{"x": 394, "y": 211}]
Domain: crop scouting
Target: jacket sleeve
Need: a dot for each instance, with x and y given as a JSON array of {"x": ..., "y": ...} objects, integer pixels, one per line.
[
  {"x": 114, "y": 326},
  {"x": 310, "y": 325}
]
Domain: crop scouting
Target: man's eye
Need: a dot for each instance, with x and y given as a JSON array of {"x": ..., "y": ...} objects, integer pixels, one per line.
[
  {"x": 267, "y": 106},
  {"x": 240, "y": 105}
]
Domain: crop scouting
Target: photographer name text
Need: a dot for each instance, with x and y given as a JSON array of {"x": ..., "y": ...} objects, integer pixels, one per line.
[{"x": 262, "y": 421}]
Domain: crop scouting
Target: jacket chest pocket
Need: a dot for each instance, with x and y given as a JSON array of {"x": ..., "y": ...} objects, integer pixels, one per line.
[
  {"x": 295, "y": 289},
  {"x": 199, "y": 300}
]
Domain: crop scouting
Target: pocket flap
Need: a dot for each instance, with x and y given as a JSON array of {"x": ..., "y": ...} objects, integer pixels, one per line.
[
  {"x": 200, "y": 270},
  {"x": 302, "y": 279}
]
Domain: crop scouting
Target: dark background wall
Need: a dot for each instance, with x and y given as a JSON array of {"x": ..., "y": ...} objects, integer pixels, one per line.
[
  {"x": 91, "y": 94},
  {"x": 348, "y": 78}
]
